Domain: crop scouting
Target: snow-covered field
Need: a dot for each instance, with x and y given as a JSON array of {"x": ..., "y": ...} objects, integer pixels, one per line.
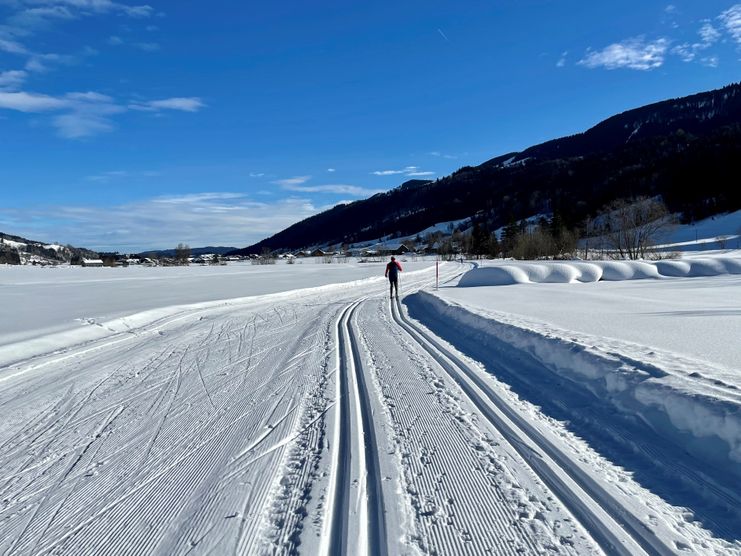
[{"x": 295, "y": 409}]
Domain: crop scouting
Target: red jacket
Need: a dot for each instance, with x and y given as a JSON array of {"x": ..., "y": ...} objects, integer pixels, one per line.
[{"x": 394, "y": 271}]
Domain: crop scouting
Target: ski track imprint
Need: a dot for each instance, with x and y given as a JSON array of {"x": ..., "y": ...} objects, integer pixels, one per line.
[{"x": 262, "y": 429}]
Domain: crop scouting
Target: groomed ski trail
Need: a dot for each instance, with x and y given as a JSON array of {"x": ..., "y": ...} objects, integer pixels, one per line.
[
  {"x": 615, "y": 529},
  {"x": 356, "y": 521},
  {"x": 321, "y": 422}
]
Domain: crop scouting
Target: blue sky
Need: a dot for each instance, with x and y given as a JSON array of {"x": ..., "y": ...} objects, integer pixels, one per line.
[{"x": 129, "y": 126}]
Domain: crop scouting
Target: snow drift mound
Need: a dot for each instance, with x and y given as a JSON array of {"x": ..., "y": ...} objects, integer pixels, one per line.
[
  {"x": 704, "y": 419},
  {"x": 594, "y": 271}
]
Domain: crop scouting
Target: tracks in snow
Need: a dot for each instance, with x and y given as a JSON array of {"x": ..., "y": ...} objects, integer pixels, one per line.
[
  {"x": 355, "y": 521},
  {"x": 616, "y": 529}
]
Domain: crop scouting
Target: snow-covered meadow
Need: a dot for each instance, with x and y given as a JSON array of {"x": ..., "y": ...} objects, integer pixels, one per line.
[{"x": 564, "y": 407}]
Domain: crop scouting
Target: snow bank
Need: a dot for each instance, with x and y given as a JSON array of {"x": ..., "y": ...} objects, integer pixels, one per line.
[
  {"x": 704, "y": 419},
  {"x": 594, "y": 271}
]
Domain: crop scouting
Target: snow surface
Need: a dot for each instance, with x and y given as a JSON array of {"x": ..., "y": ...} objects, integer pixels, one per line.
[
  {"x": 56, "y": 298},
  {"x": 295, "y": 409},
  {"x": 634, "y": 301}
]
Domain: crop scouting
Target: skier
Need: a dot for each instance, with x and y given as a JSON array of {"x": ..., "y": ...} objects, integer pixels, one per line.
[{"x": 392, "y": 273}]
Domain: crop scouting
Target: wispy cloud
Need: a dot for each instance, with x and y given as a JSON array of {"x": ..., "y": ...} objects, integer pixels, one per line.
[
  {"x": 731, "y": 21},
  {"x": 33, "y": 11},
  {"x": 708, "y": 33},
  {"x": 184, "y": 104},
  {"x": 12, "y": 47},
  {"x": 688, "y": 52},
  {"x": 12, "y": 79},
  {"x": 420, "y": 174},
  {"x": 105, "y": 177},
  {"x": 443, "y": 155},
  {"x": 31, "y": 102},
  {"x": 224, "y": 218},
  {"x": 640, "y": 54},
  {"x": 443, "y": 35},
  {"x": 84, "y": 114},
  {"x": 412, "y": 171},
  {"x": 331, "y": 170},
  {"x": 147, "y": 46},
  {"x": 635, "y": 53},
  {"x": 288, "y": 182},
  {"x": 340, "y": 189}
]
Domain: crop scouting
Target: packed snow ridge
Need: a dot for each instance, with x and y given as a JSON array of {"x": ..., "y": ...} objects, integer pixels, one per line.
[
  {"x": 594, "y": 271},
  {"x": 664, "y": 390}
]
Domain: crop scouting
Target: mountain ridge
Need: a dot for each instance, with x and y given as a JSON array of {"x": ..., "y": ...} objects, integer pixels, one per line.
[{"x": 686, "y": 149}]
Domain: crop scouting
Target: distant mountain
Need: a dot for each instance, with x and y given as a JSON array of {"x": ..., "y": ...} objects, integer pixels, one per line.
[
  {"x": 19, "y": 250},
  {"x": 195, "y": 251},
  {"x": 687, "y": 150}
]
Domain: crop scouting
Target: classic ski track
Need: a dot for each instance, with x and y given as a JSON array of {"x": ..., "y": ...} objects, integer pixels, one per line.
[
  {"x": 205, "y": 444},
  {"x": 667, "y": 460},
  {"x": 612, "y": 525},
  {"x": 354, "y": 440},
  {"x": 136, "y": 452}
]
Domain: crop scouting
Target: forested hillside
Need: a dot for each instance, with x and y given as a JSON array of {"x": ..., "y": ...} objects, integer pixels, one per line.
[{"x": 687, "y": 150}]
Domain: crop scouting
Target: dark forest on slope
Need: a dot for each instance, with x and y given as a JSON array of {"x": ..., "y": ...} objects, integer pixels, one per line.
[{"x": 687, "y": 150}]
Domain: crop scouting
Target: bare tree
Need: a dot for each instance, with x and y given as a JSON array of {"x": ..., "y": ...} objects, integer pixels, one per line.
[
  {"x": 267, "y": 257},
  {"x": 182, "y": 253},
  {"x": 631, "y": 227}
]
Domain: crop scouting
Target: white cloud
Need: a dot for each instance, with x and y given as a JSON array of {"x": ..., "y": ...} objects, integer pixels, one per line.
[
  {"x": 257, "y": 174},
  {"x": 84, "y": 7},
  {"x": 83, "y": 114},
  {"x": 685, "y": 51},
  {"x": 709, "y": 34},
  {"x": 12, "y": 47},
  {"x": 12, "y": 79},
  {"x": 147, "y": 46},
  {"x": 731, "y": 20},
  {"x": 41, "y": 63},
  {"x": 90, "y": 96},
  {"x": 331, "y": 170},
  {"x": 115, "y": 40},
  {"x": 340, "y": 189},
  {"x": 76, "y": 125},
  {"x": 296, "y": 180},
  {"x": 409, "y": 171},
  {"x": 688, "y": 52},
  {"x": 31, "y": 102},
  {"x": 105, "y": 177},
  {"x": 199, "y": 219},
  {"x": 420, "y": 174},
  {"x": 395, "y": 172},
  {"x": 635, "y": 53},
  {"x": 387, "y": 172},
  {"x": 184, "y": 104},
  {"x": 710, "y": 61},
  {"x": 443, "y": 155},
  {"x": 562, "y": 60}
]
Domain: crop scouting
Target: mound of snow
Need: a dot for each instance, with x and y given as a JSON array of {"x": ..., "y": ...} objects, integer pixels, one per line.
[
  {"x": 704, "y": 419},
  {"x": 578, "y": 271}
]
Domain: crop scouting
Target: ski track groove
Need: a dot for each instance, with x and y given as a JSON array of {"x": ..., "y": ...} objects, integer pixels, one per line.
[
  {"x": 226, "y": 438},
  {"x": 614, "y": 539},
  {"x": 486, "y": 522},
  {"x": 357, "y": 458},
  {"x": 141, "y": 510}
]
